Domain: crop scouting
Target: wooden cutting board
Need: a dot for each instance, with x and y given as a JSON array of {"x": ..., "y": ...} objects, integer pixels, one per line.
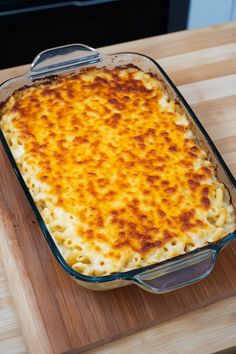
[{"x": 56, "y": 314}]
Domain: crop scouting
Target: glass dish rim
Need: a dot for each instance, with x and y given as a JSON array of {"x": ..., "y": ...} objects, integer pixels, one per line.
[{"x": 130, "y": 274}]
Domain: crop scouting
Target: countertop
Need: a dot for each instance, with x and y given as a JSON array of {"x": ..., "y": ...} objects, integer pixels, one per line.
[{"x": 202, "y": 63}]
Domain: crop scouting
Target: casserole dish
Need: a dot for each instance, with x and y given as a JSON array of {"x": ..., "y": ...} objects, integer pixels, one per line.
[{"x": 166, "y": 275}]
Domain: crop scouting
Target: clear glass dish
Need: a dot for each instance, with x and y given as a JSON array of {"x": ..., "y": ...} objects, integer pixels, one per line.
[{"x": 160, "y": 277}]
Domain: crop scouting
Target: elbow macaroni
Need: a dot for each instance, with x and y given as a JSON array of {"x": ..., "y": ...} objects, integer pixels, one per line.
[{"x": 114, "y": 169}]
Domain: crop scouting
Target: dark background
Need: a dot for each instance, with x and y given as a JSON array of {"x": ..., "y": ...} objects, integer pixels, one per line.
[{"x": 28, "y": 27}]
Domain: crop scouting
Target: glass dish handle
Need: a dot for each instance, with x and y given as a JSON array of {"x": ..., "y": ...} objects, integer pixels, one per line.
[
  {"x": 179, "y": 273},
  {"x": 63, "y": 58}
]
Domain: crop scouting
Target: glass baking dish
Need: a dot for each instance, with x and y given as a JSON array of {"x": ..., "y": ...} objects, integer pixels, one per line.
[{"x": 161, "y": 277}]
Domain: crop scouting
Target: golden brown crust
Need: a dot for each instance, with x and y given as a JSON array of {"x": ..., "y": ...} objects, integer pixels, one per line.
[{"x": 117, "y": 157}]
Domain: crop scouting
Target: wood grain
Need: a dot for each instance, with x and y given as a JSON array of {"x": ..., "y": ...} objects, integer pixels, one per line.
[
  {"x": 54, "y": 308},
  {"x": 208, "y": 330},
  {"x": 20, "y": 283},
  {"x": 10, "y": 332}
]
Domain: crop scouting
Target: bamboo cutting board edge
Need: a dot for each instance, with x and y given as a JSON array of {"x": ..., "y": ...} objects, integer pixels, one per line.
[
  {"x": 208, "y": 330},
  {"x": 21, "y": 289}
]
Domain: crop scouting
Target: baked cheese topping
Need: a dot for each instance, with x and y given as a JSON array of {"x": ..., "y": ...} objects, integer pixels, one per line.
[{"x": 114, "y": 169}]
